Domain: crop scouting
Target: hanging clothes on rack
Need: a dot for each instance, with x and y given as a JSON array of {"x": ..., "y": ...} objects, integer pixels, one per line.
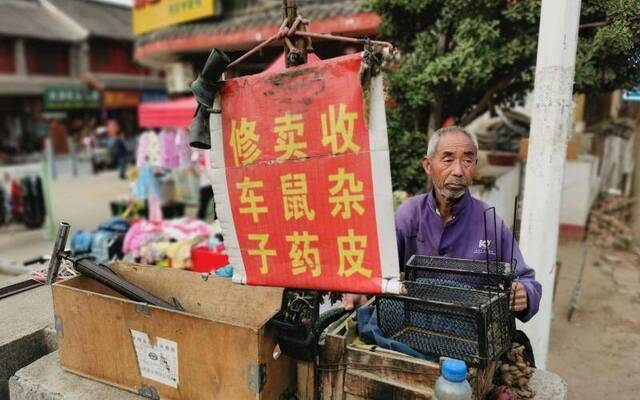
[
  {"x": 148, "y": 188},
  {"x": 169, "y": 157},
  {"x": 183, "y": 148},
  {"x": 148, "y": 150},
  {"x": 16, "y": 201},
  {"x": 22, "y": 197},
  {"x": 4, "y": 210},
  {"x": 33, "y": 212}
]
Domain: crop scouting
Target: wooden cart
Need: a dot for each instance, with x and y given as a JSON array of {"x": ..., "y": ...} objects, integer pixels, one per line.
[{"x": 350, "y": 370}]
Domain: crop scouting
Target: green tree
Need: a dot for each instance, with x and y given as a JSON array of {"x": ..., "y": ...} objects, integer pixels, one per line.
[{"x": 461, "y": 58}]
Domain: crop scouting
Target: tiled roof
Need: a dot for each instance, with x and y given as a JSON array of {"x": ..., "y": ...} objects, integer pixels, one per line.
[
  {"x": 122, "y": 81},
  {"x": 100, "y": 19},
  {"x": 257, "y": 16},
  {"x": 20, "y": 85},
  {"x": 29, "y": 19}
]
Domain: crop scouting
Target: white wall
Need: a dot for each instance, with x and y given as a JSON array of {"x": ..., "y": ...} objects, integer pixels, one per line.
[
  {"x": 503, "y": 195},
  {"x": 579, "y": 190}
]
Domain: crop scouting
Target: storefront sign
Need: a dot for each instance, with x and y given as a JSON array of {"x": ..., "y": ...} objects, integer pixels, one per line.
[
  {"x": 120, "y": 99},
  {"x": 67, "y": 98},
  {"x": 631, "y": 95},
  {"x": 149, "y": 15},
  {"x": 302, "y": 180},
  {"x": 153, "y": 96}
]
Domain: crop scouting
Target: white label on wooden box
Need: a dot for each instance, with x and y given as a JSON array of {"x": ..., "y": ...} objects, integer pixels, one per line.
[{"x": 157, "y": 362}]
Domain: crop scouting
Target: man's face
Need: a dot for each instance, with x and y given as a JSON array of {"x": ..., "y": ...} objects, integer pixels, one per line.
[{"x": 453, "y": 165}]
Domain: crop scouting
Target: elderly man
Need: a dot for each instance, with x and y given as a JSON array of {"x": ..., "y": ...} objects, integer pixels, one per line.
[{"x": 449, "y": 222}]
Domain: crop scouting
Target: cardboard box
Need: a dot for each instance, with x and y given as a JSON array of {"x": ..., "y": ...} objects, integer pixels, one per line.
[
  {"x": 219, "y": 348},
  {"x": 573, "y": 148}
]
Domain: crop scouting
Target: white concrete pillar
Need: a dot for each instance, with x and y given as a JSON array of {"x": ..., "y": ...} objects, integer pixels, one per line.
[
  {"x": 550, "y": 132},
  {"x": 20, "y": 57}
]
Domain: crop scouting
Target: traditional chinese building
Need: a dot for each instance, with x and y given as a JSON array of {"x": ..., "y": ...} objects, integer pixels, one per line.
[
  {"x": 236, "y": 26},
  {"x": 68, "y": 60}
]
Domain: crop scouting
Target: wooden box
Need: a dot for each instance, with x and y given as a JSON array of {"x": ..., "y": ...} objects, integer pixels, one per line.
[
  {"x": 352, "y": 371},
  {"x": 219, "y": 348}
]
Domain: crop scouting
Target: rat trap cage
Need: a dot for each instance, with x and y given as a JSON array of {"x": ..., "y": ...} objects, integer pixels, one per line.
[{"x": 453, "y": 308}]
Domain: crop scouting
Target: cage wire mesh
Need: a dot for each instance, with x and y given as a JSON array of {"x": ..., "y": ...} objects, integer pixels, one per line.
[
  {"x": 473, "y": 274},
  {"x": 453, "y": 307}
]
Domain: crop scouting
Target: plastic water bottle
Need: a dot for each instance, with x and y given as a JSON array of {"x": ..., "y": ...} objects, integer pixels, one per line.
[{"x": 452, "y": 383}]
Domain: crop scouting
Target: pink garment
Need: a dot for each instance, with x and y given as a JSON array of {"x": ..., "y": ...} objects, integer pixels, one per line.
[
  {"x": 186, "y": 228},
  {"x": 139, "y": 234},
  {"x": 155, "y": 209},
  {"x": 148, "y": 150},
  {"x": 143, "y": 232},
  {"x": 169, "y": 158},
  {"x": 183, "y": 149}
]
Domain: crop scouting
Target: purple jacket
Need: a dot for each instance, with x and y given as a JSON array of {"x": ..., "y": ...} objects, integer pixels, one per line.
[{"x": 420, "y": 230}]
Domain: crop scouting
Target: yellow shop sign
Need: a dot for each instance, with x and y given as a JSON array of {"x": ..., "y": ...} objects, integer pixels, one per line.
[{"x": 149, "y": 15}]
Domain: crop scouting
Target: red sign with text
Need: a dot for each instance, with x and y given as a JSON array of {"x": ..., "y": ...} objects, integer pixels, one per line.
[{"x": 298, "y": 171}]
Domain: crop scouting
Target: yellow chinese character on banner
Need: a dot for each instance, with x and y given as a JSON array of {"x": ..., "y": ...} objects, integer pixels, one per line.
[
  {"x": 244, "y": 142},
  {"x": 249, "y": 199},
  {"x": 302, "y": 255},
  {"x": 346, "y": 194},
  {"x": 288, "y": 127},
  {"x": 338, "y": 130},
  {"x": 351, "y": 251},
  {"x": 294, "y": 197},
  {"x": 262, "y": 250}
]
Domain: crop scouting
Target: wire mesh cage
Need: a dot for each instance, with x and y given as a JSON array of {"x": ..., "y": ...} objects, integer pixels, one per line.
[
  {"x": 462, "y": 323},
  {"x": 453, "y": 308},
  {"x": 475, "y": 274}
]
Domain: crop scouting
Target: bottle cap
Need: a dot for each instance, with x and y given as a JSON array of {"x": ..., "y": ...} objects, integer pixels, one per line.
[{"x": 454, "y": 370}]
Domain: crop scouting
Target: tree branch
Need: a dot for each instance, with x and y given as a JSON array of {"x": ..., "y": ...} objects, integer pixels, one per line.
[
  {"x": 487, "y": 100},
  {"x": 593, "y": 24}
]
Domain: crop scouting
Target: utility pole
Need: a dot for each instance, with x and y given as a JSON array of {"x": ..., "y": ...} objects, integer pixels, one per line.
[{"x": 550, "y": 132}]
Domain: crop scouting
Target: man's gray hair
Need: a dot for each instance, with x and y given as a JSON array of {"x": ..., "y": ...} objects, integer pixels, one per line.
[{"x": 435, "y": 138}]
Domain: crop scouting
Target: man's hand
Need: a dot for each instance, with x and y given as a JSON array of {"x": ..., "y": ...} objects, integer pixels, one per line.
[
  {"x": 351, "y": 301},
  {"x": 518, "y": 299}
]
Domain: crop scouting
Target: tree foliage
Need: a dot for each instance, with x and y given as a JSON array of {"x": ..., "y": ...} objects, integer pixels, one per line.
[{"x": 475, "y": 55}]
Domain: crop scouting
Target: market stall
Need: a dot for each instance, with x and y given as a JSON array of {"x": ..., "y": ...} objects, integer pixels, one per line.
[
  {"x": 153, "y": 224},
  {"x": 301, "y": 178}
]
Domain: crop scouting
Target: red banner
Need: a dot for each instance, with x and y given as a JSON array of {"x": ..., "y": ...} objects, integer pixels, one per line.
[{"x": 297, "y": 161}]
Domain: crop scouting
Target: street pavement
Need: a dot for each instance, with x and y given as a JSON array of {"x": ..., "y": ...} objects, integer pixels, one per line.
[{"x": 82, "y": 201}]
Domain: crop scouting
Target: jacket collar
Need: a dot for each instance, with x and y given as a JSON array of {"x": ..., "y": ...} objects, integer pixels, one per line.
[{"x": 458, "y": 208}]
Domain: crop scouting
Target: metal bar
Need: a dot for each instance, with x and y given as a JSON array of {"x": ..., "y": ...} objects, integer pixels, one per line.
[
  {"x": 513, "y": 228},
  {"x": 486, "y": 247},
  {"x": 575, "y": 298},
  {"x": 495, "y": 237},
  {"x": 19, "y": 288},
  {"x": 114, "y": 281},
  {"x": 328, "y": 36},
  {"x": 58, "y": 248},
  {"x": 258, "y": 47}
]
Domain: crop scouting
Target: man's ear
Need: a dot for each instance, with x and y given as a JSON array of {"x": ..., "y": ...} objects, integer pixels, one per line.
[{"x": 426, "y": 165}]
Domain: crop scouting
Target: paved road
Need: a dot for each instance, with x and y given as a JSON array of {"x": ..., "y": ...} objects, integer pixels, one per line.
[{"x": 83, "y": 202}]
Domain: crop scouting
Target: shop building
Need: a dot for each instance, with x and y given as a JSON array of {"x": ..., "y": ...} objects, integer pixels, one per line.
[
  {"x": 69, "y": 61},
  {"x": 181, "y": 43}
]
